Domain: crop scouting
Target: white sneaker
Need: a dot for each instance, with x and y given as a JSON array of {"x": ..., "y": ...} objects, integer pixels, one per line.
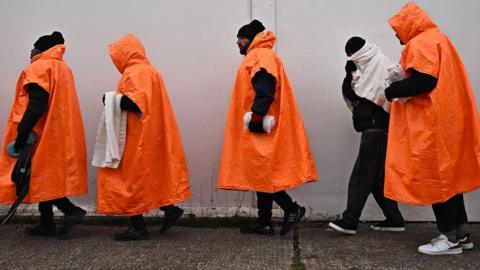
[{"x": 440, "y": 246}]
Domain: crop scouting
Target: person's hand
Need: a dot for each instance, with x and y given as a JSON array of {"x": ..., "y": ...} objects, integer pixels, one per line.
[
  {"x": 256, "y": 123},
  {"x": 391, "y": 90},
  {"x": 103, "y": 99},
  {"x": 11, "y": 150}
]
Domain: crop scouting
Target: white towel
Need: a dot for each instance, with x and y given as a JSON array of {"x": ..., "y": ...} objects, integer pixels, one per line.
[
  {"x": 111, "y": 134},
  {"x": 369, "y": 79},
  {"x": 268, "y": 122},
  {"x": 395, "y": 73}
]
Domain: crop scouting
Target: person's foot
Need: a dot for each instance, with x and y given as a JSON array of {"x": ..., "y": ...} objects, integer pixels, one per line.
[
  {"x": 388, "y": 226},
  {"x": 343, "y": 227},
  {"x": 70, "y": 221},
  {"x": 292, "y": 218},
  {"x": 41, "y": 230},
  {"x": 440, "y": 246},
  {"x": 132, "y": 234},
  {"x": 172, "y": 214},
  {"x": 257, "y": 229},
  {"x": 466, "y": 242}
]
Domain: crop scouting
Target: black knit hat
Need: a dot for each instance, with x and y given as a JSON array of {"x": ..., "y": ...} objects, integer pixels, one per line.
[
  {"x": 46, "y": 42},
  {"x": 249, "y": 31},
  {"x": 353, "y": 45}
]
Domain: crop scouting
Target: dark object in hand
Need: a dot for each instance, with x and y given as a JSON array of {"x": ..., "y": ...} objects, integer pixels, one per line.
[{"x": 256, "y": 123}]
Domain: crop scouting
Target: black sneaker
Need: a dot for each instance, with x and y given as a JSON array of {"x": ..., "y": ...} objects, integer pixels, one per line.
[
  {"x": 257, "y": 229},
  {"x": 343, "y": 227},
  {"x": 70, "y": 221},
  {"x": 388, "y": 226},
  {"x": 171, "y": 215},
  {"x": 291, "y": 219},
  {"x": 41, "y": 230},
  {"x": 132, "y": 234},
  {"x": 466, "y": 242}
]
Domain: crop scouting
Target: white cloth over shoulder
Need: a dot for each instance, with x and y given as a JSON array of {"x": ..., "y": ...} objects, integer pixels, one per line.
[
  {"x": 395, "y": 73},
  {"x": 111, "y": 134},
  {"x": 369, "y": 79},
  {"x": 268, "y": 122}
]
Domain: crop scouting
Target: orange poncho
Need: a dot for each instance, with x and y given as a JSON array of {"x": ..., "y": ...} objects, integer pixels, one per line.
[
  {"x": 433, "y": 148},
  {"x": 265, "y": 162},
  {"x": 59, "y": 165},
  {"x": 153, "y": 171}
]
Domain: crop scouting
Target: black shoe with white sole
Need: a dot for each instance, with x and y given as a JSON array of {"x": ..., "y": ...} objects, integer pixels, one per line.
[
  {"x": 343, "y": 227},
  {"x": 466, "y": 242},
  {"x": 388, "y": 226},
  {"x": 291, "y": 219}
]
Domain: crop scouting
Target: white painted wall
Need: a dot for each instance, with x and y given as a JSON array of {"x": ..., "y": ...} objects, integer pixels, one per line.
[{"x": 192, "y": 43}]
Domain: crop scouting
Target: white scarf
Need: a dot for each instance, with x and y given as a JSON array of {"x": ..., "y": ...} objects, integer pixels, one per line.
[
  {"x": 111, "y": 134},
  {"x": 370, "y": 78}
]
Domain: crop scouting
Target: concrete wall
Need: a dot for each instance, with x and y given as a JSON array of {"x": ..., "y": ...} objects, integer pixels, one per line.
[{"x": 192, "y": 43}]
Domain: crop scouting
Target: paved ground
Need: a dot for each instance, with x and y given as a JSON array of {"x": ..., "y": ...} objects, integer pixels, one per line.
[
  {"x": 325, "y": 249},
  {"x": 92, "y": 247}
]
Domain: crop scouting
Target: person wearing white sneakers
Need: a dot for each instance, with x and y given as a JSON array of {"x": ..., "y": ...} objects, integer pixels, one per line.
[{"x": 433, "y": 152}]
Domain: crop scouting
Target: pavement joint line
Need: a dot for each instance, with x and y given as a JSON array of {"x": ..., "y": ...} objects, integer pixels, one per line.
[{"x": 297, "y": 263}]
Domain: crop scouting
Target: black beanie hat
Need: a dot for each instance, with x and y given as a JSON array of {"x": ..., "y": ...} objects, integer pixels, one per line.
[
  {"x": 249, "y": 31},
  {"x": 353, "y": 45},
  {"x": 46, "y": 42}
]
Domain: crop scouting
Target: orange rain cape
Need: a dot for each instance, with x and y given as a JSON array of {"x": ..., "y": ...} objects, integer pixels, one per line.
[
  {"x": 153, "y": 171},
  {"x": 433, "y": 148},
  {"x": 265, "y": 162},
  {"x": 59, "y": 164}
]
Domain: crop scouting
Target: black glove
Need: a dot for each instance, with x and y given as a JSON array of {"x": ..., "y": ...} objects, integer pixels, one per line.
[
  {"x": 103, "y": 99},
  {"x": 362, "y": 116},
  {"x": 350, "y": 67},
  {"x": 256, "y": 123}
]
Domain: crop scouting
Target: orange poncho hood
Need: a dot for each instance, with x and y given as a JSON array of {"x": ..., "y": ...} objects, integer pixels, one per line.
[
  {"x": 410, "y": 21},
  {"x": 126, "y": 52}
]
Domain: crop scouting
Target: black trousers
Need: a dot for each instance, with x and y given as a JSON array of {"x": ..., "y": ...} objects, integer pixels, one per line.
[
  {"x": 46, "y": 209},
  {"x": 265, "y": 204},
  {"x": 367, "y": 177},
  {"x": 450, "y": 214},
  {"x": 138, "y": 222}
]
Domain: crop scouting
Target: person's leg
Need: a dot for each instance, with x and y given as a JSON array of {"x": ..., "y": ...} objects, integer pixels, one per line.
[
  {"x": 446, "y": 217},
  {"x": 394, "y": 219},
  {"x": 64, "y": 205},
  {"x": 73, "y": 215},
  {"x": 462, "y": 220},
  {"x": 138, "y": 222},
  {"x": 447, "y": 243},
  {"x": 293, "y": 213},
  {"x": 264, "y": 222},
  {"x": 359, "y": 188},
  {"x": 46, "y": 213},
  {"x": 264, "y": 205},
  {"x": 172, "y": 214},
  {"x": 284, "y": 201},
  {"x": 46, "y": 227},
  {"x": 137, "y": 231}
]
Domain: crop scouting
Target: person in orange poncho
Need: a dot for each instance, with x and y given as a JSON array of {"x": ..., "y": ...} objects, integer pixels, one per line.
[
  {"x": 433, "y": 153},
  {"x": 46, "y": 104},
  {"x": 257, "y": 155},
  {"x": 153, "y": 171}
]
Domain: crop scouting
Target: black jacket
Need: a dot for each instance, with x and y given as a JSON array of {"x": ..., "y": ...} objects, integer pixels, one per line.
[{"x": 365, "y": 114}]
